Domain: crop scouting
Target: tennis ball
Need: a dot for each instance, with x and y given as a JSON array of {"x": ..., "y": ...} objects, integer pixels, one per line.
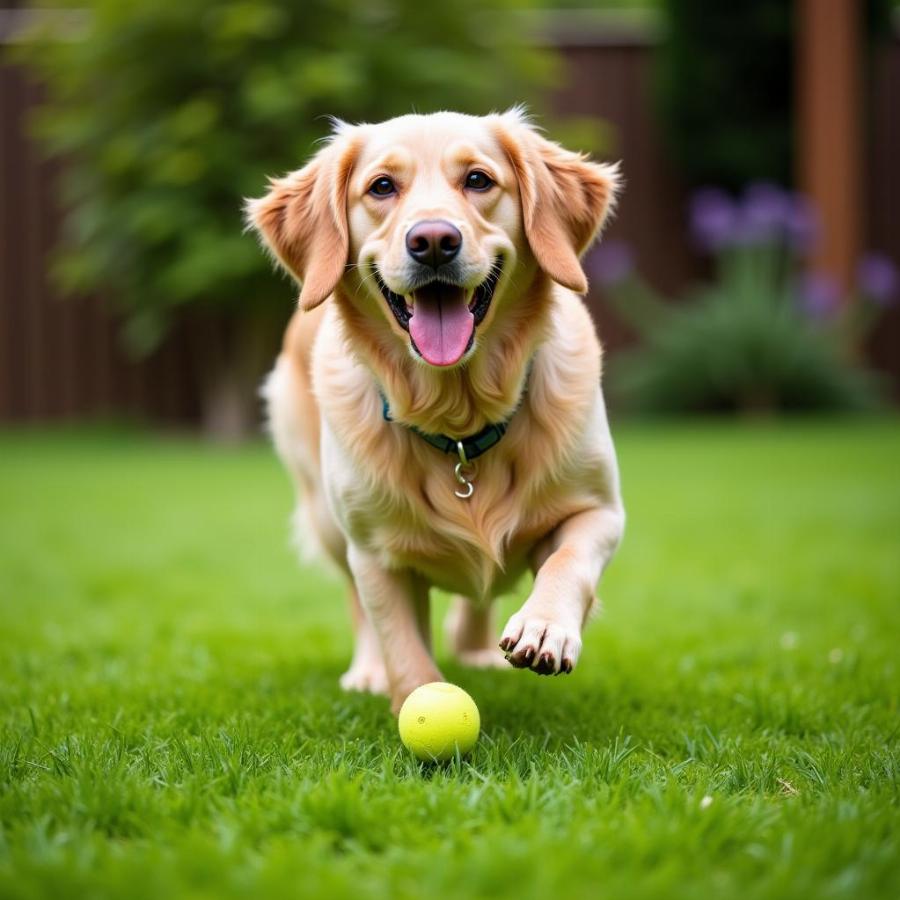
[{"x": 437, "y": 719}]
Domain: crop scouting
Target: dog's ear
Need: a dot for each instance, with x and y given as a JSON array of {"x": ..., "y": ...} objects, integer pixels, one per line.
[
  {"x": 303, "y": 219},
  {"x": 565, "y": 198}
]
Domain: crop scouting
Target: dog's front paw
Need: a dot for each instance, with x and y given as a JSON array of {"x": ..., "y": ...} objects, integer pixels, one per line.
[{"x": 540, "y": 643}]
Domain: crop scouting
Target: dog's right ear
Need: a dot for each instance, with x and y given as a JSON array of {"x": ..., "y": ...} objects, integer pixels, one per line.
[{"x": 303, "y": 219}]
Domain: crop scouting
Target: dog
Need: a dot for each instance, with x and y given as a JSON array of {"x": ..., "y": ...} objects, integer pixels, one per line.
[{"x": 438, "y": 399}]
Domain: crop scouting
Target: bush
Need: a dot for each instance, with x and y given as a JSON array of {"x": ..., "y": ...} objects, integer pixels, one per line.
[
  {"x": 760, "y": 337},
  {"x": 168, "y": 114}
]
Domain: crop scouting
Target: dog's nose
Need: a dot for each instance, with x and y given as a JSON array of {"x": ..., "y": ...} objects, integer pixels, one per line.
[{"x": 433, "y": 242}]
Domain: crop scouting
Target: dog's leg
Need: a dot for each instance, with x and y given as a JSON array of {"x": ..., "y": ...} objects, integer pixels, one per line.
[
  {"x": 469, "y": 629},
  {"x": 366, "y": 672},
  {"x": 545, "y": 634},
  {"x": 397, "y": 606}
]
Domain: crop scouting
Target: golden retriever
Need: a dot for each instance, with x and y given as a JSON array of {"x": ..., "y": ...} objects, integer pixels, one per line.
[{"x": 437, "y": 399}]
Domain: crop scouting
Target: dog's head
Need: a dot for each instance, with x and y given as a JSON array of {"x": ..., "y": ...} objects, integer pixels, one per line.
[{"x": 434, "y": 222}]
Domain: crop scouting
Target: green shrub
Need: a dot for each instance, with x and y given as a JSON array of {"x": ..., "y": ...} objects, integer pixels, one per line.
[{"x": 761, "y": 337}]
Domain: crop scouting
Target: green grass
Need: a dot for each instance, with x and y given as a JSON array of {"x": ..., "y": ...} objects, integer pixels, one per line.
[{"x": 170, "y": 722}]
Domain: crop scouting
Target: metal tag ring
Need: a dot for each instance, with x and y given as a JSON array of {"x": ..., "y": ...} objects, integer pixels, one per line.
[{"x": 463, "y": 477}]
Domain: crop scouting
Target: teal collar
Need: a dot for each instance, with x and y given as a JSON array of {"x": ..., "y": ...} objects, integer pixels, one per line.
[
  {"x": 467, "y": 448},
  {"x": 472, "y": 446}
]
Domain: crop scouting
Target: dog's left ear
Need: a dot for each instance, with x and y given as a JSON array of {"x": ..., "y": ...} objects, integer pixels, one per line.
[
  {"x": 303, "y": 219},
  {"x": 565, "y": 198}
]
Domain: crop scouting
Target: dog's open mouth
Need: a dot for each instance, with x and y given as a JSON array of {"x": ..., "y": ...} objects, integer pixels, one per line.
[{"x": 441, "y": 318}]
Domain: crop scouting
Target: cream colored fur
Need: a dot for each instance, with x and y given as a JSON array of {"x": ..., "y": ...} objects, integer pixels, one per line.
[{"x": 377, "y": 498}]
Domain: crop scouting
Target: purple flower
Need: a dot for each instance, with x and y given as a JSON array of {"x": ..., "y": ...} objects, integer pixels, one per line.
[
  {"x": 877, "y": 278},
  {"x": 801, "y": 224},
  {"x": 819, "y": 295},
  {"x": 766, "y": 214},
  {"x": 611, "y": 262},
  {"x": 713, "y": 219},
  {"x": 763, "y": 214}
]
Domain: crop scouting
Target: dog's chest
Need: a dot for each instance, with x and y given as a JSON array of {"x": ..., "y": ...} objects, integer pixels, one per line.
[{"x": 477, "y": 546}]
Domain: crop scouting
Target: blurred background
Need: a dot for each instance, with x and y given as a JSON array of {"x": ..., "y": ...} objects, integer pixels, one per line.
[
  {"x": 170, "y": 719},
  {"x": 751, "y": 268}
]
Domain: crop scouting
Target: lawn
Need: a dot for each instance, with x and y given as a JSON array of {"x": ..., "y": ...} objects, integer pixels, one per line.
[{"x": 171, "y": 725}]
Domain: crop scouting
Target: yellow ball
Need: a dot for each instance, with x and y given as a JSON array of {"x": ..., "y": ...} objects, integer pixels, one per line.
[{"x": 438, "y": 719}]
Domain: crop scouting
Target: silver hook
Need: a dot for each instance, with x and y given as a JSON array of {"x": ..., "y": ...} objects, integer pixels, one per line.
[{"x": 463, "y": 477}]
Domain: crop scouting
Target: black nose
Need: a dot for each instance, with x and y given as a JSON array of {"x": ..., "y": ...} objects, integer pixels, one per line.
[{"x": 433, "y": 242}]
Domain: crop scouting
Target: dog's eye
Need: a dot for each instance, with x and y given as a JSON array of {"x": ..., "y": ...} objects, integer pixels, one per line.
[
  {"x": 382, "y": 187},
  {"x": 478, "y": 181}
]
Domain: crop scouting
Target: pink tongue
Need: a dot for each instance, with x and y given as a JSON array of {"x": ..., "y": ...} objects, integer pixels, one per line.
[{"x": 441, "y": 324}]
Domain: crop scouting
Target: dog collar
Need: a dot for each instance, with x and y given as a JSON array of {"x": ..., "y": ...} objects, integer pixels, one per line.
[
  {"x": 468, "y": 448},
  {"x": 472, "y": 446}
]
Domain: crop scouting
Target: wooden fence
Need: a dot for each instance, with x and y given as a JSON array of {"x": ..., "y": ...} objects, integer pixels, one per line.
[{"x": 61, "y": 358}]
